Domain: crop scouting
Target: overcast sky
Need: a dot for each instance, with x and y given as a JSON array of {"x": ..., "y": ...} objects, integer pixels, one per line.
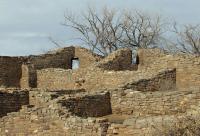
[{"x": 25, "y": 25}]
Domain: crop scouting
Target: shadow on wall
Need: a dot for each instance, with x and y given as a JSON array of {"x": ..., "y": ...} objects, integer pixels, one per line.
[
  {"x": 119, "y": 60},
  {"x": 12, "y": 102},
  {"x": 163, "y": 81},
  {"x": 89, "y": 106}
]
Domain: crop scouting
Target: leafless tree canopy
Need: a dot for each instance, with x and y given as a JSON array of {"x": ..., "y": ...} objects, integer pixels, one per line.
[
  {"x": 100, "y": 32},
  {"x": 188, "y": 39},
  {"x": 141, "y": 30},
  {"x": 108, "y": 31}
]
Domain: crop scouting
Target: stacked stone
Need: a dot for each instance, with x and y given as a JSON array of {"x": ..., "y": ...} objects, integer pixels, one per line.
[{"x": 130, "y": 102}]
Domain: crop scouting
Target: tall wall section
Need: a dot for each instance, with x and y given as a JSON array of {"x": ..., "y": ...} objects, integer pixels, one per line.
[
  {"x": 111, "y": 72},
  {"x": 55, "y": 79},
  {"x": 61, "y": 60},
  {"x": 187, "y": 66},
  {"x": 90, "y": 75},
  {"x": 188, "y": 74},
  {"x": 10, "y": 71},
  {"x": 86, "y": 57},
  {"x": 29, "y": 76}
]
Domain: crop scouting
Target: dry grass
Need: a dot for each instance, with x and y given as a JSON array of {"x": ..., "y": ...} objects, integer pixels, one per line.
[{"x": 188, "y": 126}]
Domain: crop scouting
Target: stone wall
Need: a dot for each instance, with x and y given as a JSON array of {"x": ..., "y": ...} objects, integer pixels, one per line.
[
  {"x": 86, "y": 57},
  {"x": 50, "y": 118},
  {"x": 60, "y": 58},
  {"x": 145, "y": 126},
  {"x": 146, "y": 112},
  {"x": 94, "y": 79},
  {"x": 103, "y": 74},
  {"x": 119, "y": 60},
  {"x": 29, "y": 76},
  {"x": 55, "y": 79},
  {"x": 10, "y": 71},
  {"x": 163, "y": 81},
  {"x": 130, "y": 102},
  {"x": 187, "y": 66},
  {"x": 77, "y": 126},
  {"x": 188, "y": 73},
  {"x": 45, "y": 121},
  {"x": 39, "y": 97},
  {"x": 89, "y": 105},
  {"x": 12, "y": 101}
]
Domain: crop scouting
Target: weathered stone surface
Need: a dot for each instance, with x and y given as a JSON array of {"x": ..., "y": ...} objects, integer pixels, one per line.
[
  {"x": 12, "y": 101},
  {"x": 104, "y": 97},
  {"x": 89, "y": 105}
]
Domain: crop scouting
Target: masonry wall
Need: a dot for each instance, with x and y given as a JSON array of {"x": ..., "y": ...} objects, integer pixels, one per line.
[
  {"x": 136, "y": 103},
  {"x": 50, "y": 118},
  {"x": 12, "y": 101},
  {"x": 162, "y": 81},
  {"x": 37, "y": 120},
  {"x": 119, "y": 60},
  {"x": 55, "y": 79},
  {"x": 97, "y": 73},
  {"x": 89, "y": 127},
  {"x": 89, "y": 105},
  {"x": 86, "y": 57},
  {"x": 187, "y": 66},
  {"x": 61, "y": 58},
  {"x": 10, "y": 71},
  {"x": 188, "y": 73},
  {"x": 29, "y": 76},
  {"x": 58, "y": 59},
  {"x": 55, "y": 59},
  {"x": 97, "y": 79}
]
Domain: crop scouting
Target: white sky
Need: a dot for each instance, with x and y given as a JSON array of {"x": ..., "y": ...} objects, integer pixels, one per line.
[{"x": 25, "y": 25}]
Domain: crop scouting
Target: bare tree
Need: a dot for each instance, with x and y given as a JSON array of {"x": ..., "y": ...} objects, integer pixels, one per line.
[
  {"x": 108, "y": 31},
  {"x": 54, "y": 42},
  {"x": 188, "y": 39},
  {"x": 100, "y": 32},
  {"x": 141, "y": 30}
]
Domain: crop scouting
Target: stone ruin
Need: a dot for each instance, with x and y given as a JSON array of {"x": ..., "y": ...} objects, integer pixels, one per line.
[{"x": 104, "y": 96}]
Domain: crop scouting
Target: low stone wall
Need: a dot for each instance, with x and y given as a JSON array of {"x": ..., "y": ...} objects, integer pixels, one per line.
[
  {"x": 95, "y": 105},
  {"x": 146, "y": 112},
  {"x": 145, "y": 126},
  {"x": 12, "y": 101},
  {"x": 77, "y": 126},
  {"x": 39, "y": 97},
  {"x": 95, "y": 79},
  {"x": 137, "y": 103},
  {"x": 163, "y": 81},
  {"x": 32, "y": 121},
  {"x": 188, "y": 74},
  {"x": 51, "y": 118}
]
